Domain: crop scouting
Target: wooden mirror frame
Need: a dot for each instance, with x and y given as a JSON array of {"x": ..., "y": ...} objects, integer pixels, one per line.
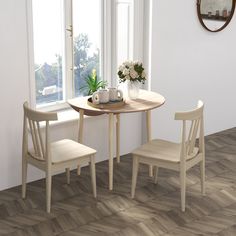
[{"x": 224, "y": 25}]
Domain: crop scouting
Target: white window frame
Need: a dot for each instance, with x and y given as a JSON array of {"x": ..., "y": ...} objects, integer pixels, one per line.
[{"x": 108, "y": 47}]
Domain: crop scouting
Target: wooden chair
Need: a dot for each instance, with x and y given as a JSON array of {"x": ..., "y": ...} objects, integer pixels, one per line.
[
  {"x": 176, "y": 156},
  {"x": 54, "y": 156}
]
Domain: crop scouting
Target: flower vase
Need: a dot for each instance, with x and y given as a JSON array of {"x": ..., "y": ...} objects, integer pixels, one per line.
[{"x": 133, "y": 89}]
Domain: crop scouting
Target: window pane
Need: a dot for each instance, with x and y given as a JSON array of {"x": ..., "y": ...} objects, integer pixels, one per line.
[
  {"x": 48, "y": 50},
  {"x": 124, "y": 31},
  {"x": 123, "y": 27},
  {"x": 87, "y": 27}
]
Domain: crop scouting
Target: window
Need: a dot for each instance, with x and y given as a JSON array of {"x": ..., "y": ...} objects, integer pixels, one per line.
[
  {"x": 48, "y": 50},
  {"x": 86, "y": 40},
  {"x": 70, "y": 39}
]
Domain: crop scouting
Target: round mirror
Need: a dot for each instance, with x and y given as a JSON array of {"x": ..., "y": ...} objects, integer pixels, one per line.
[{"x": 215, "y": 15}]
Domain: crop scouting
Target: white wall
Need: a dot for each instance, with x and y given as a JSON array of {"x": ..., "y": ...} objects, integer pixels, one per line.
[
  {"x": 14, "y": 87},
  {"x": 14, "y": 84},
  {"x": 190, "y": 63}
]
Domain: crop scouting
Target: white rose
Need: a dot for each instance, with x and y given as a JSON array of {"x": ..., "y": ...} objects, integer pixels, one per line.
[
  {"x": 125, "y": 71},
  {"x": 127, "y": 77},
  {"x": 133, "y": 74}
]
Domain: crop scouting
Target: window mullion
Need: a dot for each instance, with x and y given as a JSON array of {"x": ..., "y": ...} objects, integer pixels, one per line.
[
  {"x": 123, "y": 33},
  {"x": 107, "y": 41},
  {"x": 32, "y": 85},
  {"x": 68, "y": 59},
  {"x": 138, "y": 16}
]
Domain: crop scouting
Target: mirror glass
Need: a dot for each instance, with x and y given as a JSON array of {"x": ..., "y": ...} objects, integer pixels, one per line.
[{"x": 215, "y": 14}]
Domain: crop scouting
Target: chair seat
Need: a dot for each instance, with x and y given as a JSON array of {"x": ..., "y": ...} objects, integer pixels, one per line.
[
  {"x": 162, "y": 150},
  {"x": 65, "y": 150}
]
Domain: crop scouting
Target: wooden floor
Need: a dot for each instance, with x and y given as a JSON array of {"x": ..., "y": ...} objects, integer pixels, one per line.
[{"x": 155, "y": 211}]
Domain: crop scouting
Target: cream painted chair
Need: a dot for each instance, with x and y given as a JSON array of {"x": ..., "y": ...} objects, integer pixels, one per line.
[
  {"x": 54, "y": 156},
  {"x": 176, "y": 156}
]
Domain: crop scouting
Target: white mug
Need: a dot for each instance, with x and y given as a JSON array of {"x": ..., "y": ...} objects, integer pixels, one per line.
[
  {"x": 115, "y": 94},
  {"x": 100, "y": 96}
]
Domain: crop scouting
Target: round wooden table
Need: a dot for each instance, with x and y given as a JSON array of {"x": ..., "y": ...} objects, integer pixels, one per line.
[{"x": 146, "y": 101}]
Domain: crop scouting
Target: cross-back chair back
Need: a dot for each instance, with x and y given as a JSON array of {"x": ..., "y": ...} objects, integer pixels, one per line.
[
  {"x": 32, "y": 120},
  {"x": 192, "y": 129}
]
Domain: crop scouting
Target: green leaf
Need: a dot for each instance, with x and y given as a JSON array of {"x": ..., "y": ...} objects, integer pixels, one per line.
[{"x": 93, "y": 83}]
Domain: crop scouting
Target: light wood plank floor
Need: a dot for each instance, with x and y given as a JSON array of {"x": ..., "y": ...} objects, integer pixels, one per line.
[{"x": 155, "y": 210}]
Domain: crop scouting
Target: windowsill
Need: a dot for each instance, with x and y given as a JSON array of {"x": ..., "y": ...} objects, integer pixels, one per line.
[{"x": 68, "y": 115}]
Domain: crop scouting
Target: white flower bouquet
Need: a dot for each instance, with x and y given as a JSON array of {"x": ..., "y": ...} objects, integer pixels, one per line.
[{"x": 132, "y": 71}]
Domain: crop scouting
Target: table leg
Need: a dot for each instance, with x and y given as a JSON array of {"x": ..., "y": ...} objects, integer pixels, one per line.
[
  {"x": 149, "y": 136},
  {"x": 80, "y": 136},
  {"x": 118, "y": 137},
  {"x": 111, "y": 123}
]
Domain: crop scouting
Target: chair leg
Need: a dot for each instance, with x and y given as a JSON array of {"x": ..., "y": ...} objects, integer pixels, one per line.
[
  {"x": 183, "y": 188},
  {"x": 150, "y": 171},
  {"x": 78, "y": 170},
  {"x": 93, "y": 175},
  {"x": 134, "y": 175},
  {"x": 156, "y": 175},
  {"x": 202, "y": 171},
  {"x": 68, "y": 175},
  {"x": 48, "y": 190},
  {"x": 24, "y": 177}
]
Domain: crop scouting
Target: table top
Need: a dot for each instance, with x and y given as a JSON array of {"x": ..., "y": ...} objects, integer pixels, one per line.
[{"x": 147, "y": 100}]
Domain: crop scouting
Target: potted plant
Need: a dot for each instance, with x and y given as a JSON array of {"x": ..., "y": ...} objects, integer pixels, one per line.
[{"x": 93, "y": 83}]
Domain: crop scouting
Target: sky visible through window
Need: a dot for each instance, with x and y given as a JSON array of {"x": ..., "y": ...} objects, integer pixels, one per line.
[
  {"x": 48, "y": 26},
  {"x": 86, "y": 19}
]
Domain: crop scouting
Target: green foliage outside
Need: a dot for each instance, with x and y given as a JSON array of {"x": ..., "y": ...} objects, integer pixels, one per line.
[
  {"x": 48, "y": 75},
  {"x": 84, "y": 63},
  {"x": 51, "y": 74}
]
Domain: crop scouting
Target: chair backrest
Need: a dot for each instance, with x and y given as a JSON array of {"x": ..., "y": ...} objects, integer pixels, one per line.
[
  {"x": 40, "y": 142},
  {"x": 192, "y": 132}
]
